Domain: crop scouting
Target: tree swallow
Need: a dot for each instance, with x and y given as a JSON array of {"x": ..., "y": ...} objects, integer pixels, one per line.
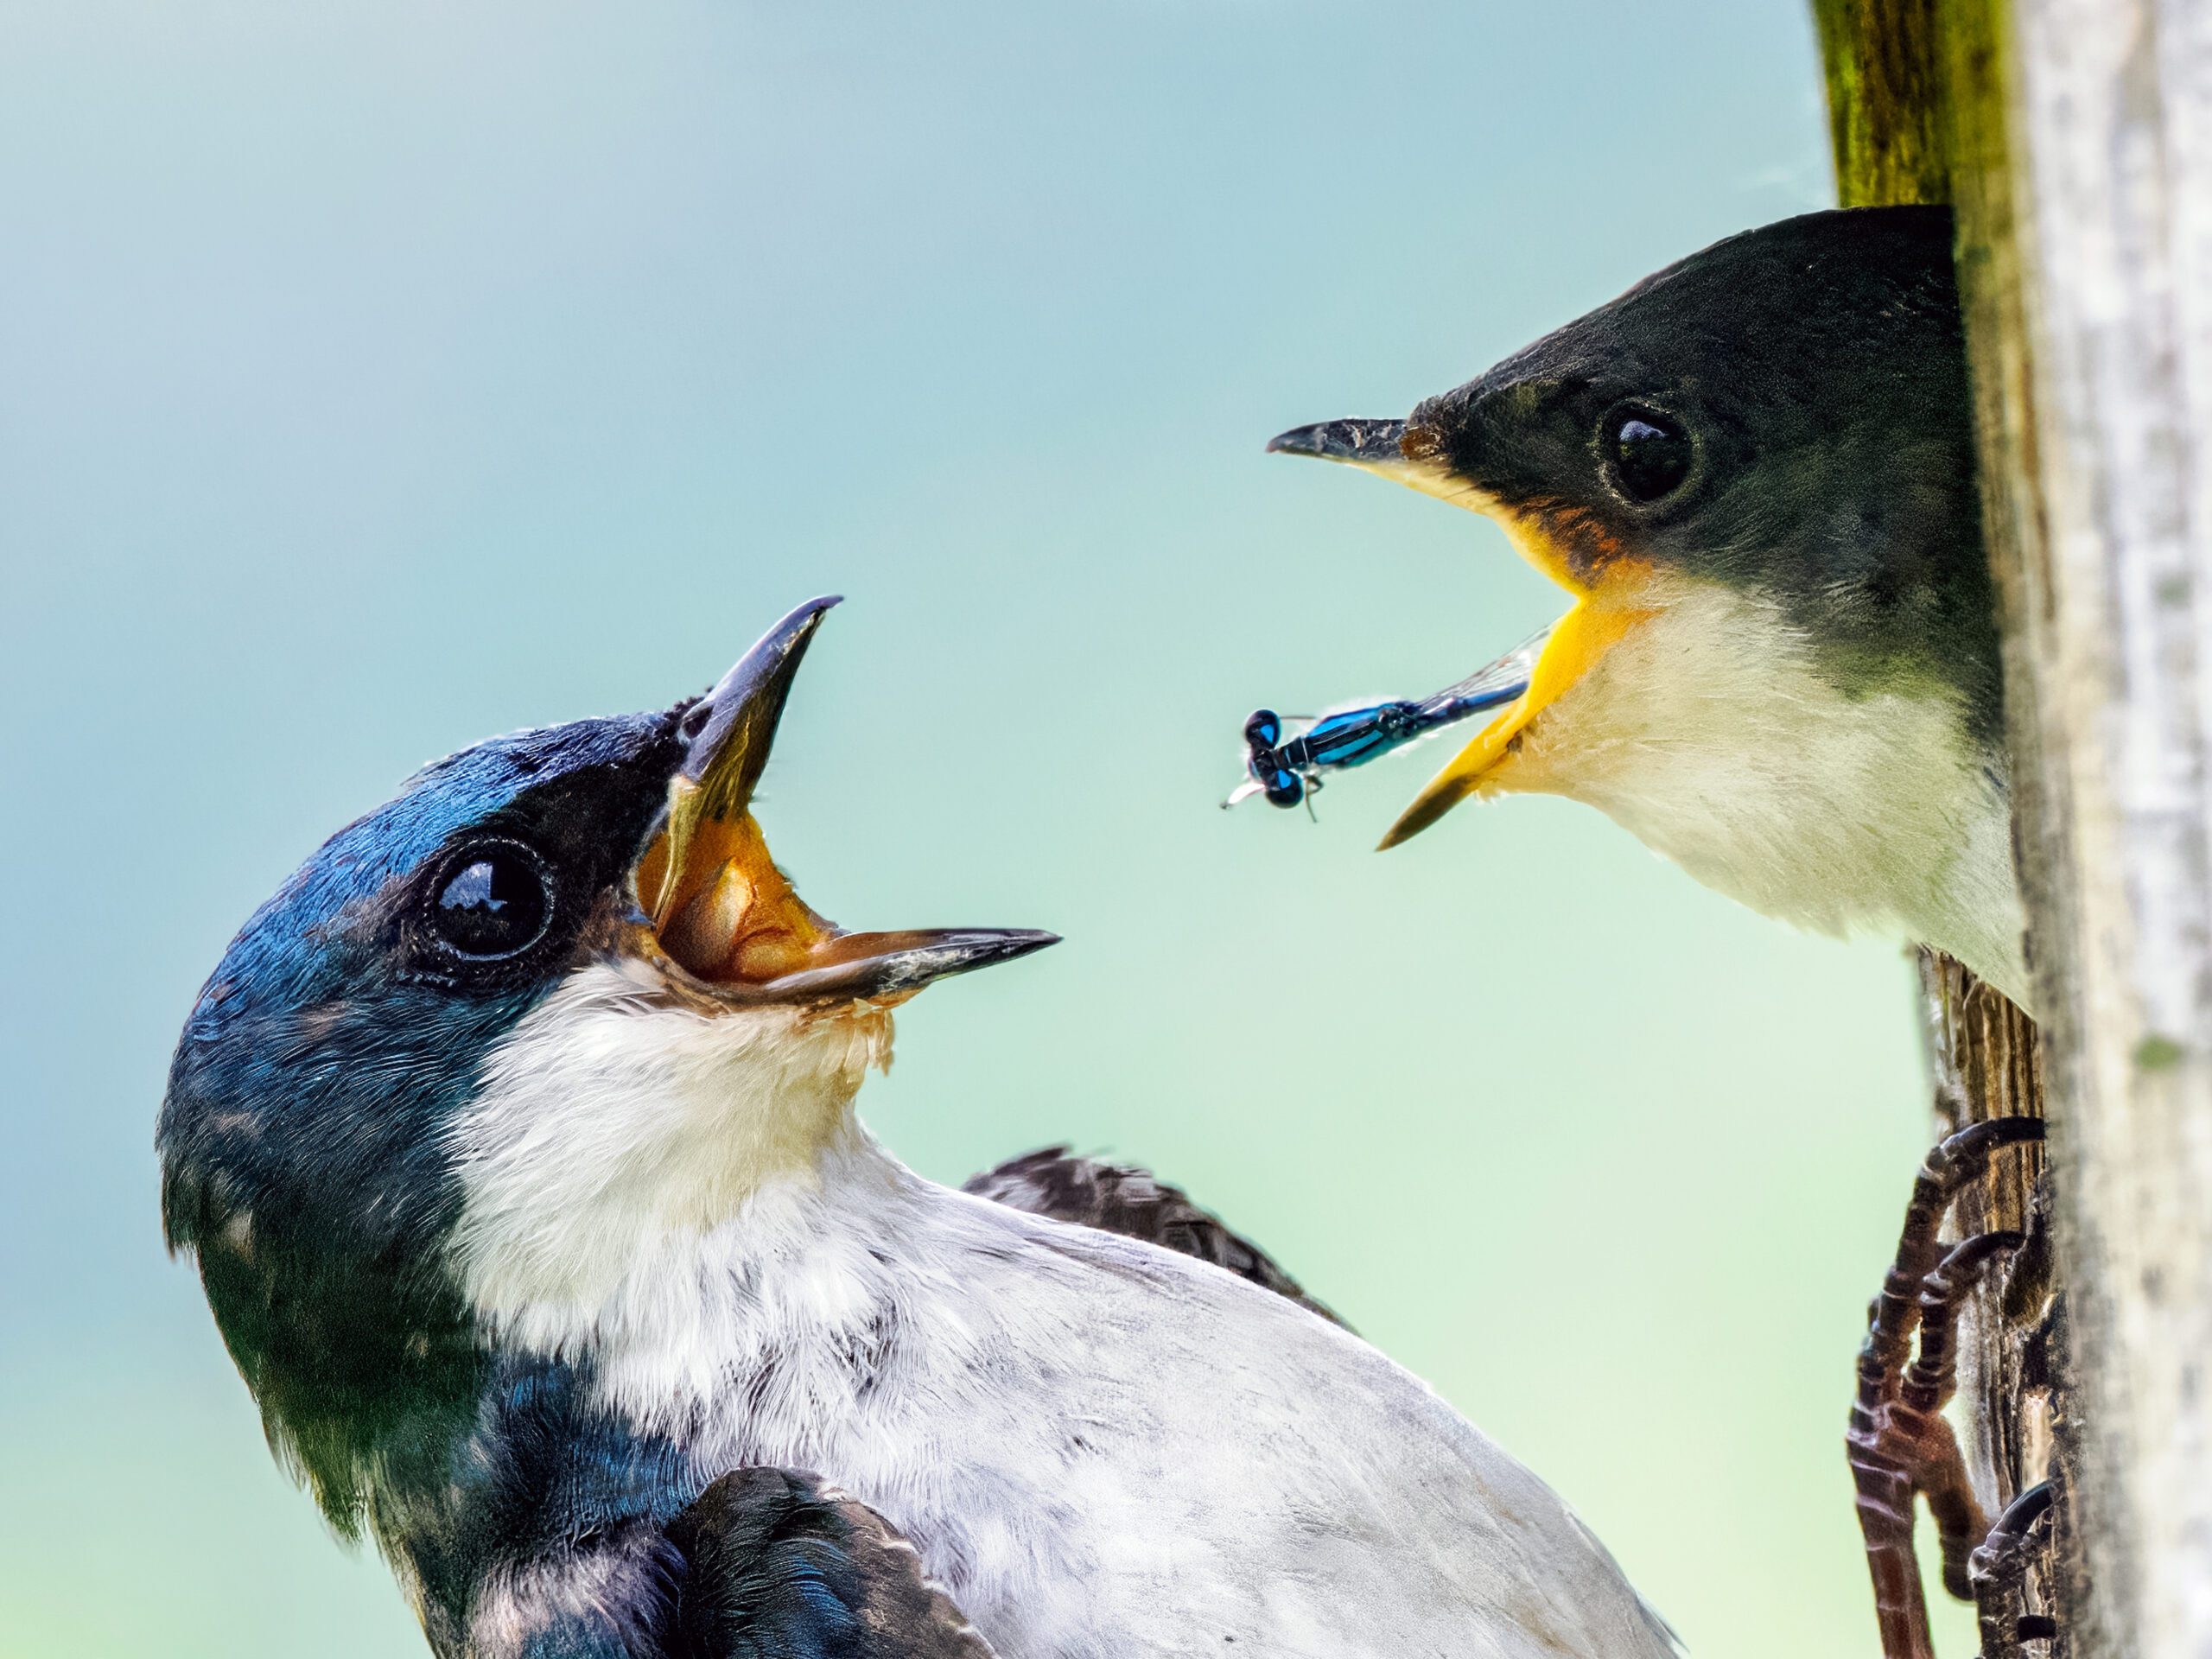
[
  {"x": 515, "y": 1140},
  {"x": 1754, "y": 474}
]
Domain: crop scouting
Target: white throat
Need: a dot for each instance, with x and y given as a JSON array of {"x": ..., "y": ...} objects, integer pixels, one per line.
[
  {"x": 1709, "y": 733},
  {"x": 618, "y": 1128}
]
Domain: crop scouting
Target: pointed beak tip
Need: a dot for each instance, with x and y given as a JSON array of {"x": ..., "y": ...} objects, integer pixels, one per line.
[
  {"x": 730, "y": 729},
  {"x": 1314, "y": 440},
  {"x": 1369, "y": 443},
  {"x": 964, "y": 949},
  {"x": 1426, "y": 809},
  {"x": 1410, "y": 823},
  {"x": 991, "y": 945},
  {"x": 790, "y": 637},
  {"x": 885, "y": 965}
]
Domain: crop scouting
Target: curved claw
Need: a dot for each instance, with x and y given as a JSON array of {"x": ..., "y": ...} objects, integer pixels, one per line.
[{"x": 1998, "y": 1569}]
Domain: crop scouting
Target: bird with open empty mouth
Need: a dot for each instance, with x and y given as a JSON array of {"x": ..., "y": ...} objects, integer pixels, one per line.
[{"x": 515, "y": 1140}]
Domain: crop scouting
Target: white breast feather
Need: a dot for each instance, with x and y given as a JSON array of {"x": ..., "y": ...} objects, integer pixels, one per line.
[
  {"x": 1099, "y": 1447},
  {"x": 1709, "y": 735}
]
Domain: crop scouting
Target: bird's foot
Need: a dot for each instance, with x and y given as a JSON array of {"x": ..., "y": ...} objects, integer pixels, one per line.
[
  {"x": 1899, "y": 1445},
  {"x": 1998, "y": 1572}
]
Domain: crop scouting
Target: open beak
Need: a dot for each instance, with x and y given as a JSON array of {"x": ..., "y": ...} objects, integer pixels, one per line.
[
  {"x": 1598, "y": 619},
  {"x": 719, "y": 907}
]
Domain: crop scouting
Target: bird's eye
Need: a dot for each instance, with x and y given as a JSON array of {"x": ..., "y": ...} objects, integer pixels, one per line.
[
  {"x": 496, "y": 900},
  {"x": 1650, "y": 454}
]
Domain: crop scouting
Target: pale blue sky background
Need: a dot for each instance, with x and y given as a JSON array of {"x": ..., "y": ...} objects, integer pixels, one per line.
[{"x": 376, "y": 377}]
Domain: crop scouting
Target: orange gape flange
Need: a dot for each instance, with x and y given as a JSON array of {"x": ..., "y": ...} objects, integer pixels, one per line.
[{"x": 1606, "y": 584}]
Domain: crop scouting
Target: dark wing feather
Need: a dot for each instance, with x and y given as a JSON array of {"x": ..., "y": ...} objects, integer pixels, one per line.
[
  {"x": 1121, "y": 1199},
  {"x": 780, "y": 1565}
]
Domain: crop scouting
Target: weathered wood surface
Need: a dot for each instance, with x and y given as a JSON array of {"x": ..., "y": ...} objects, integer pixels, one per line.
[
  {"x": 1987, "y": 1061},
  {"x": 2075, "y": 136},
  {"x": 2112, "y": 118},
  {"x": 1918, "y": 98}
]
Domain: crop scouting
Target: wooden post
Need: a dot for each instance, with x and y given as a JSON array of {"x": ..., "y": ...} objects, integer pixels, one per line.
[
  {"x": 2113, "y": 610},
  {"x": 2075, "y": 138},
  {"x": 1917, "y": 114}
]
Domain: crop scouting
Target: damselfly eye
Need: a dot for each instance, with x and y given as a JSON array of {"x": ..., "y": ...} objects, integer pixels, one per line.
[
  {"x": 1648, "y": 454},
  {"x": 494, "y": 900}
]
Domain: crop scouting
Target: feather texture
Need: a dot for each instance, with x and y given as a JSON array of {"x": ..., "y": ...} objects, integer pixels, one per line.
[
  {"x": 781, "y": 1566},
  {"x": 1055, "y": 1182},
  {"x": 1099, "y": 1446}
]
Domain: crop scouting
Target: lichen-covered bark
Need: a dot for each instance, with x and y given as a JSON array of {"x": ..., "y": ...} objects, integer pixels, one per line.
[{"x": 1886, "y": 111}]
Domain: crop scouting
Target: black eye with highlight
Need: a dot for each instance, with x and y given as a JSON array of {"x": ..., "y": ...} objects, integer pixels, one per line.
[
  {"x": 1648, "y": 454},
  {"x": 492, "y": 899}
]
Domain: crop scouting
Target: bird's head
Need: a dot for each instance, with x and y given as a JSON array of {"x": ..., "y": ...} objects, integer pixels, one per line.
[
  {"x": 553, "y": 1003},
  {"x": 1753, "y": 475}
]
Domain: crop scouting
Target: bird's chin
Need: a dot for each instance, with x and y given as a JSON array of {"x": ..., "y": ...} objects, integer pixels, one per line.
[{"x": 1592, "y": 628}]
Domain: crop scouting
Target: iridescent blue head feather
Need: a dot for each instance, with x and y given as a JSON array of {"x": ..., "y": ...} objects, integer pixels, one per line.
[
  {"x": 317, "y": 1132},
  {"x": 304, "y": 1160}
]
